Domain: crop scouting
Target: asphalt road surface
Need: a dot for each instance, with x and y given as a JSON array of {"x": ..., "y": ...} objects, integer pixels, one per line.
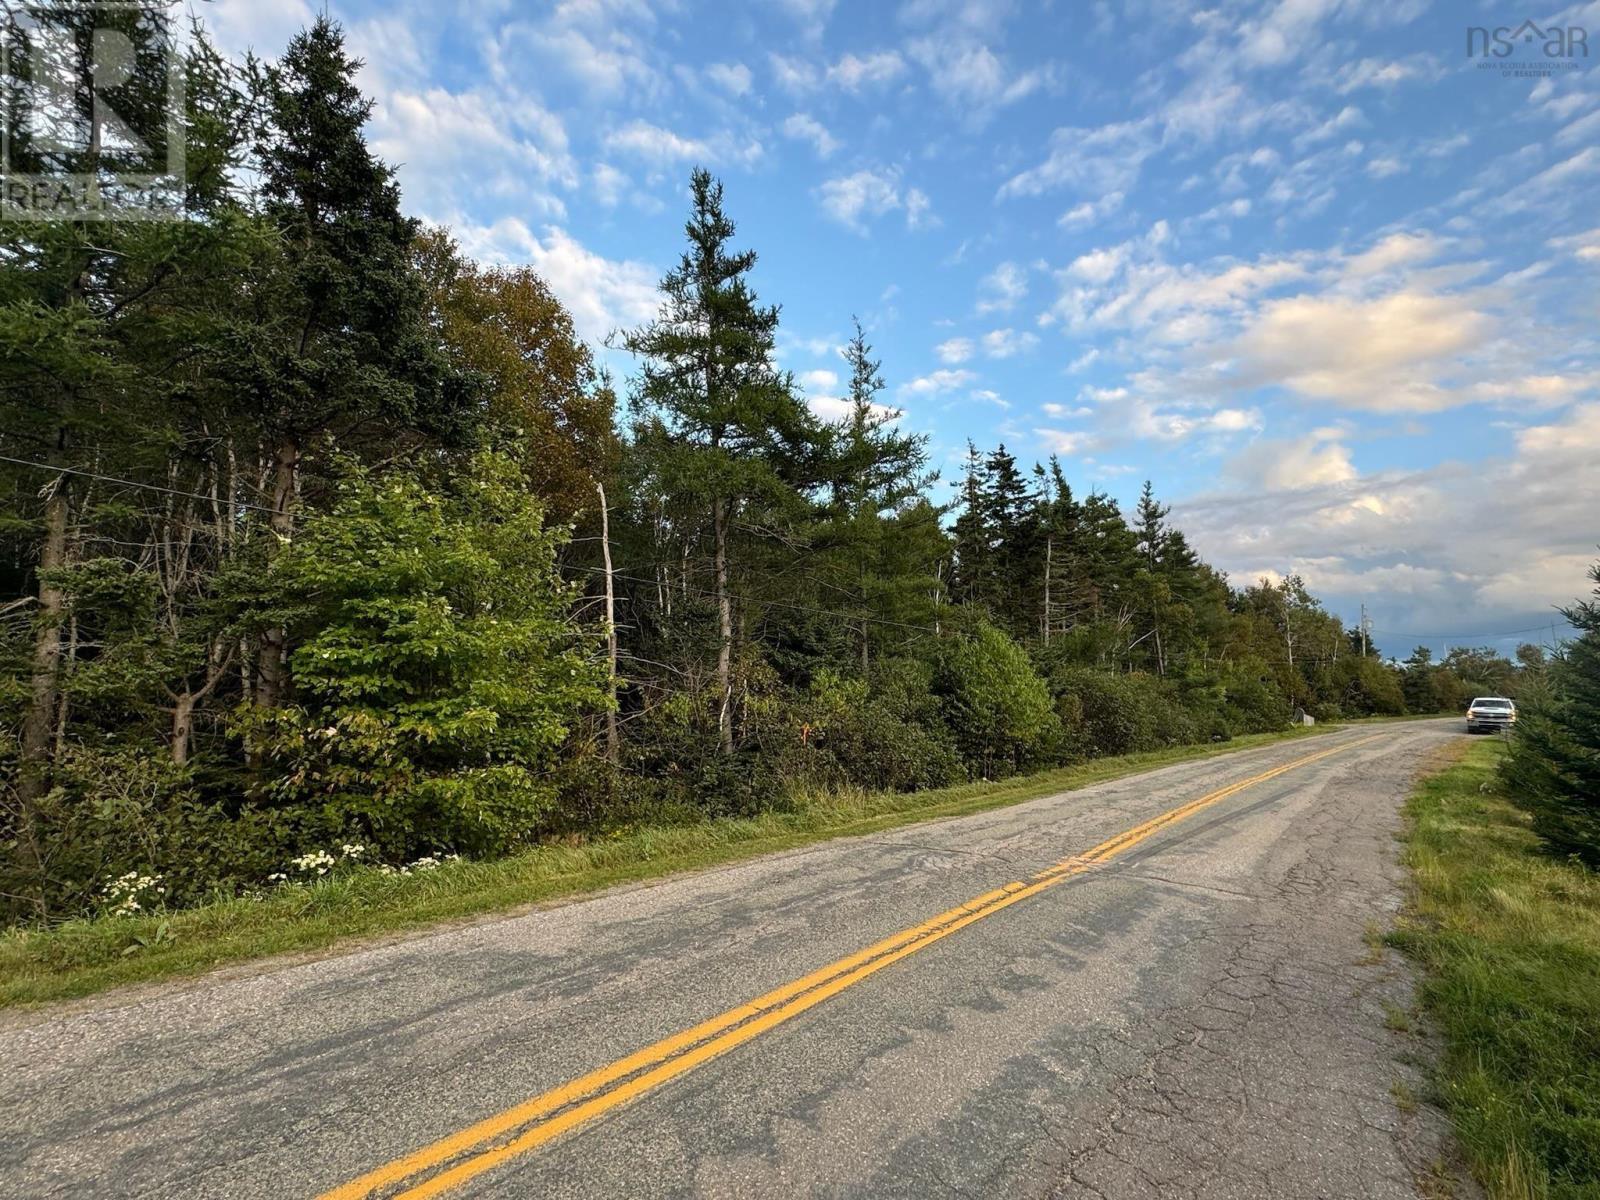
[{"x": 1160, "y": 986}]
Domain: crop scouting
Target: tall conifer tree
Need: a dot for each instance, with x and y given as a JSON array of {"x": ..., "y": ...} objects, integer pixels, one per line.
[{"x": 720, "y": 422}]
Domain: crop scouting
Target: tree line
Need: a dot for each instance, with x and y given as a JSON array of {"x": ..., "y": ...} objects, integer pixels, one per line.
[{"x": 321, "y": 538}]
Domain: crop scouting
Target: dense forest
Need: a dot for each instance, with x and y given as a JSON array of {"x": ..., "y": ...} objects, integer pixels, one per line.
[{"x": 322, "y": 542}]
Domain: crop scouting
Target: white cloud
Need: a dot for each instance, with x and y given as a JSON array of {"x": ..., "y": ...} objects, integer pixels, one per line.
[
  {"x": 587, "y": 43},
  {"x": 450, "y": 143},
  {"x": 1555, "y": 188},
  {"x": 661, "y": 147},
  {"x": 1089, "y": 212},
  {"x": 1393, "y": 327},
  {"x": 1130, "y": 285},
  {"x": 817, "y": 347},
  {"x": 602, "y": 294},
  {"x": 1094, "y": 161},
  {"x": 850, "y": 73},
  {"x": 1585, "y": 129},
  {"x": 955, "y": 350},
  {"x": 1583, "y": 246},
  {"x": 655, "y": 144},
  {"x": 793, "y": 74},
  {"x": 856, "y": 200},
  {"x": 938, "y": 382},
  {"x": 733, "y": 78},
  {"x": 822, "y": 394},
  {"x": 1283, "y": 464},
  {"x": 1006, "y": 343},
  {"x": 1122, "y": 414},
  {"x": 1393, "y": 252},
  {"x": 1284, "y": 33},
  {"x": 1395, "y": 538},
  {"x": 1068, "y": 442},
  {"x": 971, "y": 77},
  {"x": 811, "y": 15},
  {"x": 264, "y": 26},
  {"x": 853, "y": 74},
  {"x": 1347, "y": 118},
  {"x": 803, "y": 127},
  {"x": 1535, "y": 391},
  {"x": 1386, "y": 73},
  {"x": 1099, "y": 266},
  {"x": 1002, "y": 288},
  {"x": 1384, "y": 354},
  {"x": 610, "y": 184}
]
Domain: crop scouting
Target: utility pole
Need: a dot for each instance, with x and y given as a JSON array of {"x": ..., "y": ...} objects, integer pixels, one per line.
[{"x": 1364, "y": 630}]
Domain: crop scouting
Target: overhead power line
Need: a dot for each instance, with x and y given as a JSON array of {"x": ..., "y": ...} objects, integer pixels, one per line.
[
  {"x": 133, "y": 483},
  {"x": 1464, "y": 637},
  {"x": 806, "y": 608}
]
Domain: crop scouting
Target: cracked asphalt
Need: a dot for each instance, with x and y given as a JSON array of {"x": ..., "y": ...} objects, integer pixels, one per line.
[{"x": 1208, "y": 1016}]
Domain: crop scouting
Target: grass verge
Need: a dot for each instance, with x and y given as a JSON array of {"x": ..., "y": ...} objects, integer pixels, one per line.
[
  {"x": 1509, "y": 939},
  {"x": 83, "y": 957}
]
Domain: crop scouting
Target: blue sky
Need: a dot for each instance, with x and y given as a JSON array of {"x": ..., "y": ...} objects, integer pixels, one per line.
[{"x": 1327, "y": 281}]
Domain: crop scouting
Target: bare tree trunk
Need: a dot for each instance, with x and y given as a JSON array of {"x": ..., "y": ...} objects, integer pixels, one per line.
[
  {"x": 866, "y": 627},
  {"x": 719, "y": 521},
  {"x": 612, "y": 745},
  {"x": 662, "y": 571},
  {"x": 219, "y": 658},
  {"x": 1049, "y": 554},
  {"x": 64, "y": 702},
  {"x": 38, "y": 723},
  {"x": 273, "y": 666},
  {"x": 182, "y": 727}
]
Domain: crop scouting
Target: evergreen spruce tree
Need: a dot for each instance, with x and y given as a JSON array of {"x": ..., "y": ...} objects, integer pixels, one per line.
[
  {"x": 876, "y": 470},
  {"x": 1554, "y": 765},
  {"x": 721, "y": 425},
  {"x": 1008, "y": 512},
  {"x": 340, "y": 346},
  {"x": 1150, "y": 524},
  {"x": 974, "y": 532}
]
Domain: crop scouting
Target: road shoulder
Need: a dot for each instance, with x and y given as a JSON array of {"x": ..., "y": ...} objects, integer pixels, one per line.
[{"x": 1507, "y": 940}]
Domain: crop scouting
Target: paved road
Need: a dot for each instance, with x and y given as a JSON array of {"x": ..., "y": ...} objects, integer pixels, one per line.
[{"x": 1197, "y": 1014}]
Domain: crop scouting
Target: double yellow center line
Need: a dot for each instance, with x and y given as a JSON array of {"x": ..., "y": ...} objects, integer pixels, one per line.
[{"x": 462, "y": 1156}]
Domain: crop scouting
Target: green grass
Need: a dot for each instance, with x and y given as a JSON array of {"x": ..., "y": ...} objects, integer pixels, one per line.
[
  {"x": 1509, "y": 939},
  {"x": 83, "y": 957}
]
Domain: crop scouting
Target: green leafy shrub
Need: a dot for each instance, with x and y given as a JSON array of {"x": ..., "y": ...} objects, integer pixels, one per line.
[
  {"x": 127, "y": 809},
  {"x": 436, "y": 674},
  {"x": 1252, "y": 703},
  {"x": 871, "y": 736},
  {"x": 1106, "y": 714},
  {"x": 995, "y": 704}
]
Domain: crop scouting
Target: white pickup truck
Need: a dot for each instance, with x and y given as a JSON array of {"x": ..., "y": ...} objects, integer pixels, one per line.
[{"x": 1490, "y": 713}]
